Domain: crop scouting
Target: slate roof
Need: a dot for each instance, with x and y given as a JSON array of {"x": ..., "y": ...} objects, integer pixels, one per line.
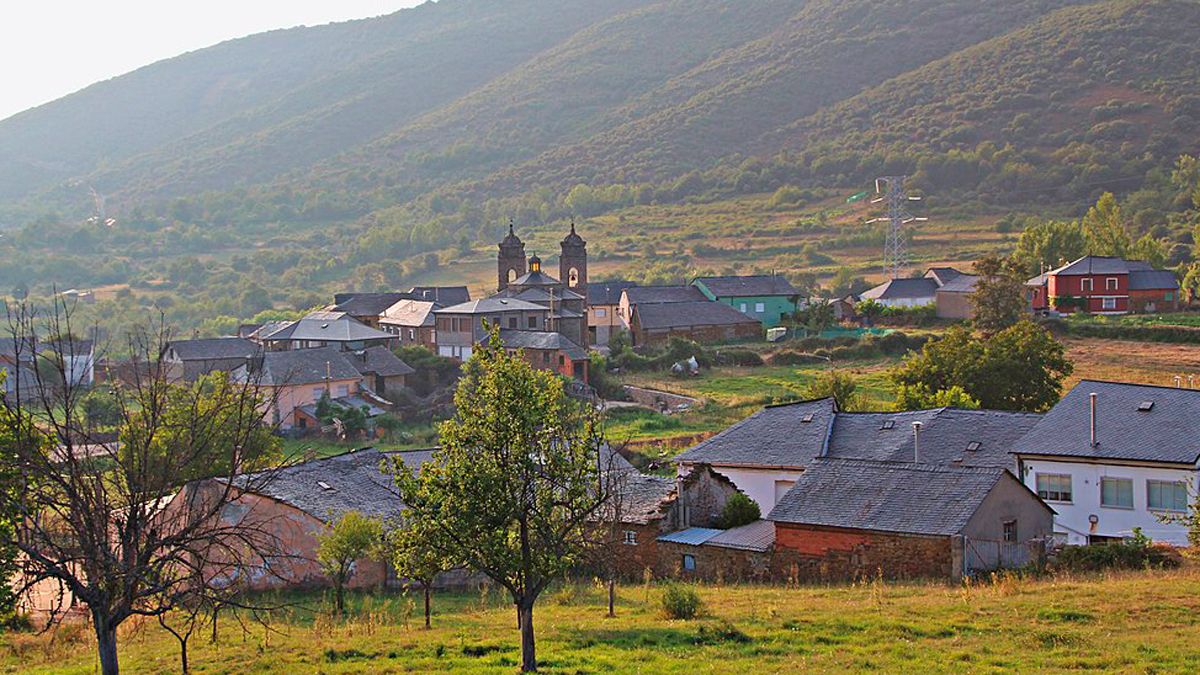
[
  {"x": 366, "y": 304},
  {"x": 776, "y": 436},
  {"x": 1152, "y": 280},
  {"x": 410, "y": 313},
  {"x": 747, "y": 286},
  {"x": 539, "y": 294},
  {"x": 303, "y": 366},
  {"x": 538, "y": 278},
  {"x": 1168, "y": 432},
  {"x": 205, "y": 349},
  {"x": 1095, "y": 264},
  {"x": 887, "y": 497},
  {"x": 607, "y": 292},
  {"x": 355, "y": 484},
  {"x": 646, "y": 295},
  {"x": 379, "y": 360},
  {"x": 536, "y": 339},
  {"x": 756, "y": 536},
  {"x": 963, "y": 283},
  {"x": 344, "y": 329},
  {"x": 346, "y": 402},
  {"x": 900, "y": 289},
  {"x": 942, "y": 275},
  {"x": 684, "y": 314},
  {"x": 490, "y": 306},
  {"x": 442, "y": 295},
  {"x": 642, "y": 496}
]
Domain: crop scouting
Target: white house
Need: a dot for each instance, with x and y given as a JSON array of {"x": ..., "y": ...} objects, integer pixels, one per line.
[{"x": 1111, "y": 457}]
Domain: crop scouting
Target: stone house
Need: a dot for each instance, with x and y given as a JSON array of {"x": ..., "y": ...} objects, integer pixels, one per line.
[
  {"x": 703, "y": 322},
  {"x": 461, "y": 327},
  {"x": 765, "y": 297},
  {"x": 633, "y": 296},
  {"x": 738, "y": 554},
  {"x": 548, "y": 351},
  {"x": 412, "y": 322},
  {"x": 189, "y": 360},
  {"x": 383, "y": 372},
  {"x": 366, "y": 308}
]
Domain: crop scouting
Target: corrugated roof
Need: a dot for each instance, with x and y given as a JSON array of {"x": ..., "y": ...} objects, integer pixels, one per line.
[
  {"x": 756, "y": 536},
  {"x": 1168, "y": 432},
  {"x": 756, "y": 285},
  {"x": 688, "y": 314},
  {"x": 693, "y": 536},
  {"x": 887, "y": 497}
]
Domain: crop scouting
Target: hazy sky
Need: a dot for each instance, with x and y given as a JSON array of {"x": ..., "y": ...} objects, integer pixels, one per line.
[{"x": 49, "y": 48}]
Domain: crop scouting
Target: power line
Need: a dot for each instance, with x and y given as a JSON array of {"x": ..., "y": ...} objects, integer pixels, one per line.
[{"x": 895, "y": 249}]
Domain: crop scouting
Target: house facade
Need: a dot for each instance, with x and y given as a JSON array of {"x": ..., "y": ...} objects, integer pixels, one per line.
[
  {"x": 412, "y": 322},
  {"x": 1104, "y": 285},
  {"x": 548, "y": 351},
  {"x": 189, "y": 360},
  {"x": 1111, "y": 457},
  {"x": 765, "y": 297},
  {"x": 704, "y": 322},
  {"x": 461, "y": 327},
  {"x": 326, "y": 329},
  {"x": 297, "y": 378},
  {"x": 604, "y": 310}
]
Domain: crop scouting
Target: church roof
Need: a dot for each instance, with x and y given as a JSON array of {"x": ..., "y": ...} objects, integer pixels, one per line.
[
  {"x": 512, "y": 239},
  {"x": 573, "y": 239}
]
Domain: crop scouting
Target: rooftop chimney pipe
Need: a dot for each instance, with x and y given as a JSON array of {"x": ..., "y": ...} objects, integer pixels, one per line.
[
  {"x": 1092, "y": 396},
  {"x": 916, "y": 442}
]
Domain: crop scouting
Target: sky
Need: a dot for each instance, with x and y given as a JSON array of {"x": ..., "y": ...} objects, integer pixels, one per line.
[{"x": 50, "y": 48}]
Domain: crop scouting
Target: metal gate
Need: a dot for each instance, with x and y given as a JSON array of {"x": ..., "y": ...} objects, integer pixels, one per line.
[{"x": 986, "y": 555}]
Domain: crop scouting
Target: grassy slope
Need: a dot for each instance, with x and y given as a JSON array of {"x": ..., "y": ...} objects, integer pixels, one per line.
[{"x": 1145, "y": 621}]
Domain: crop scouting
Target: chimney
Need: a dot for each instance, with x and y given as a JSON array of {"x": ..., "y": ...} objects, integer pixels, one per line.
[
  {"x": 916, "y": 442},
  {"x": 1092, "y": 397}
]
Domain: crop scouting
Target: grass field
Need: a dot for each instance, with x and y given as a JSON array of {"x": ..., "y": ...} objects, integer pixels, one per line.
[{"x": 1128, "y": 622}]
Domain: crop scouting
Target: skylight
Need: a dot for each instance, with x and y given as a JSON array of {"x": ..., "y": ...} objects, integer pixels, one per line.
[
  {"x": 973, "y": 446},
  {"x": 807, "y": 418},
  {"x": 1145, "y": 406},
  {"x": 887, "y": 424},
  {"x": 323, "y": 485}
]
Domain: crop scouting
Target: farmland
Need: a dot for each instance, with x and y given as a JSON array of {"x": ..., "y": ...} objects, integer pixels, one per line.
[{"x": 1141, "y": 621}]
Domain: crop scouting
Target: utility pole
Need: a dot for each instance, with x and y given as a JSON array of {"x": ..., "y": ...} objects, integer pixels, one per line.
[{"x": 895, "y": 250}]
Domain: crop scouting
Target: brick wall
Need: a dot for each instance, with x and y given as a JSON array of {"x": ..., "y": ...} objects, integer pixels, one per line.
[{"x": 807, "y": 553}]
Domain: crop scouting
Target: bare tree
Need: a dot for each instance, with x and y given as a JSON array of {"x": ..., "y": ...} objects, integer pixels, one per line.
[{"x": 138, "y": 525}]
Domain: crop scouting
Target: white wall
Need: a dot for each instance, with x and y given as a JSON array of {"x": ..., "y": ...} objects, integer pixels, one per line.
[
  {"x": 1071, "y": 519},
  {"x": 907, "y": 302},
  {"x": 758, "y": 484}
]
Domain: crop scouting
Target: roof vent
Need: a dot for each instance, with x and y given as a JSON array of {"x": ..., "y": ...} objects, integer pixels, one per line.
[
  {"x": 324, "y": 486},
  {"x": 1145, "y": 406},
  {"x": 887, "y": 424},
  {"x": 324, "y": 325},
  {"x": 973, "y": 446},
  {"x": 807, "y": 418}
]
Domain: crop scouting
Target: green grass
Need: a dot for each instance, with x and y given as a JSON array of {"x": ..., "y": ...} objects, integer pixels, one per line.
[{"x": 1130, "y": 622}]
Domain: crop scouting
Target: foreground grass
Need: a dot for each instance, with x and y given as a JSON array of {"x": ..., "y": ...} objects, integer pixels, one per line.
[{"x": 1141, "y": 621}]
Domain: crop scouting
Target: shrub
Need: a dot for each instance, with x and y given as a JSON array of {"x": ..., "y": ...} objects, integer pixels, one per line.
[
  {"x": 739, "y": 510},
  {"x": 716, "y": 634},
  {"x": 738, "y": 357},
  {"x": 681, "y": 602},
  {"x": 789, "y": 357},
  {"x": 1135, "y": 553}
]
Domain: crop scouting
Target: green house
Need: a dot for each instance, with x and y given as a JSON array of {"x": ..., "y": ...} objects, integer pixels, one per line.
[{"x": 765, "y": 297}]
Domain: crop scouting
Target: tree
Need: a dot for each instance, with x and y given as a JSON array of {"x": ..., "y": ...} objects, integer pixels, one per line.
[
  {"x": 119, "y": 525},
  {"x": 739, "y": 510},
  {"x": 919, "y": 397},
  {"x": 999, "y": 295},
  {"x": 407, "y": 549},
  {"x": 836, "y": 384},
  {"x": 817, "y": 316},
  {"x": 1154, "y": 251},
  {"x": 9, "y": 484},
  {"x": 1104, "y": 228},
  {"x": 347, "y": 540},
  {"x": 516, "y": 482},
  {"x": 1047, "y": 245},
  {"x": 870, "y": 310},
  {"x": 845, "y": 282},
  {"x": 1019, "y": 368},
  {"x": 1191, "y": 281}
]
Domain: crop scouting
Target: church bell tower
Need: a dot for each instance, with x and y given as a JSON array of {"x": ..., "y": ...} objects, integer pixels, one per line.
[
  {"x": 510, "y": 261},
  {"x": 572, "y": 263}
]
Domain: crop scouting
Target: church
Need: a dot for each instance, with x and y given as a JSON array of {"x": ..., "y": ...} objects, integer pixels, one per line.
[{"x": 565, "y": 297}]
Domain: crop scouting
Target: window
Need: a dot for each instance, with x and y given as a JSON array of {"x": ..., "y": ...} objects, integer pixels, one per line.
[
  {"x": 545, "y": 357},
  {"x": 343, "y": 390},
  {"x": 533, "y": 322},
  {"x": 562, "y": 360},
  {"x": 973, "y": 446},
  {"x": 689, "y": 562},
  {"x": 1085, "y": 285},
  {"x": 630, "y": 538},
  {"x": 1169, "y": 295},
  {"x": 412, "y": 334},
  {"x": 1116, "y": 493},
  {"x": 601, "y": 312},
  {"x": 1111, "y": 284},
  {"x": 887, "y": 424},
  {"x": 318, "y": 392},
  {"x": 1054, "y": 487},
  {"x": 512, "y": 322},
  {"x": 1108, "y": 303},
  {"x": 743, "y": 307},
  {"x": 760, "y": 307},
  {"x": 1164, "y": 495},
  {"x": 1010, "y": 530}
]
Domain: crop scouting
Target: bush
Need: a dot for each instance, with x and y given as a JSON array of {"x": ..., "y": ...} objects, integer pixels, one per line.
[
  {"x": 720, "y": 633},
  {"x": 739, "y": 510},
  {"x": 681, "y": 602},
  {"x": 789, "y": 357},
  {"x": 1130, "y": 554},
  {"x": 738, "y": 357}
]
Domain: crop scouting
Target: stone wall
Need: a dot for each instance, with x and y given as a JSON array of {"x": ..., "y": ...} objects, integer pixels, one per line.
[
  {"x": 809, "y": 553},
  {"x": 663, "y": 401},
  {"x": 701, "y": 334},
  {"x": 713, "y": 563}
]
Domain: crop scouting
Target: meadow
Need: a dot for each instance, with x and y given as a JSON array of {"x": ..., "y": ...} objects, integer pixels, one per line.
[{"x": 1146, "y": 621}]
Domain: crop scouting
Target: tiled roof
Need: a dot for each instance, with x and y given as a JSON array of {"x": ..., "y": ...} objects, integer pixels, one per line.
[
  {"x": 747, "y": 286},
  {"x": 645, "y": 295},
  {"x": 303, "y": 366},
  {"x": 1169, "y": 431},
  {"x": 366, "y": 304},
  {"x": 607, "y": 292},
  {"x": 491, "y": 306},
  {"x": 351, "y": 482},
  {"x": 777, "y": 436},
  {"x": 214, "y": 348},
  {"x": 536, "y": 339},
  {"x": 379, "y": 360},
  {"x": 1153, "y": 280},
  {"x": 343, "y": 329},
  {"x": 685, "y": 314},
  {"x": 756, "y": 536},
  {"x": 898, "y": 289},
  {"x": 887, "y": 497}
]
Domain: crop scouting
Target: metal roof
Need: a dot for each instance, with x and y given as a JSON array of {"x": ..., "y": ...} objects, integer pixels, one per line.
[
  {"x": 756, "y": 536},
  {"x": 693, "y": 536}
]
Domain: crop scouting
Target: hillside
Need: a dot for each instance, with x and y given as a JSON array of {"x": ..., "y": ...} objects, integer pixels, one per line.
[{"x": 269, "y": 171}]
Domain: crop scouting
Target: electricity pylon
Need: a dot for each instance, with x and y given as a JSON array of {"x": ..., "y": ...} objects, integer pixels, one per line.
[{"x": 895, "y": 249}]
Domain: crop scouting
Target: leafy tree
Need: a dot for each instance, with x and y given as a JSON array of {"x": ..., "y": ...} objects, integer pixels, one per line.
[
  {"x": 739, "y": 510},
  {"x": 1191, "y": 281},
  {"x": 350, "y": 538},
  {"x": 836, "y": 384},
  {"x": 919, "y": 397},
  {"x": 817, "y": 316},
  {"x": 10, "y": 486},
  {"x": 870, "y": 309},
  {"x": 409, "y": 551},
  {"x": 999, "y": 295},
  {"x": 845, "y": 282},
  {"x": 516, "y": 482},
  {"x": 1048, "y": 244},
  {"x": 1019, "y": 368},
  {"x": 1153, "y": 251},
  {"x": 1104, "y": 228}
]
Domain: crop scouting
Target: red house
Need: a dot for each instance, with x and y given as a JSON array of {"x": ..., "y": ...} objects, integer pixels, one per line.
[{"x": 1104, "y": 285}]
